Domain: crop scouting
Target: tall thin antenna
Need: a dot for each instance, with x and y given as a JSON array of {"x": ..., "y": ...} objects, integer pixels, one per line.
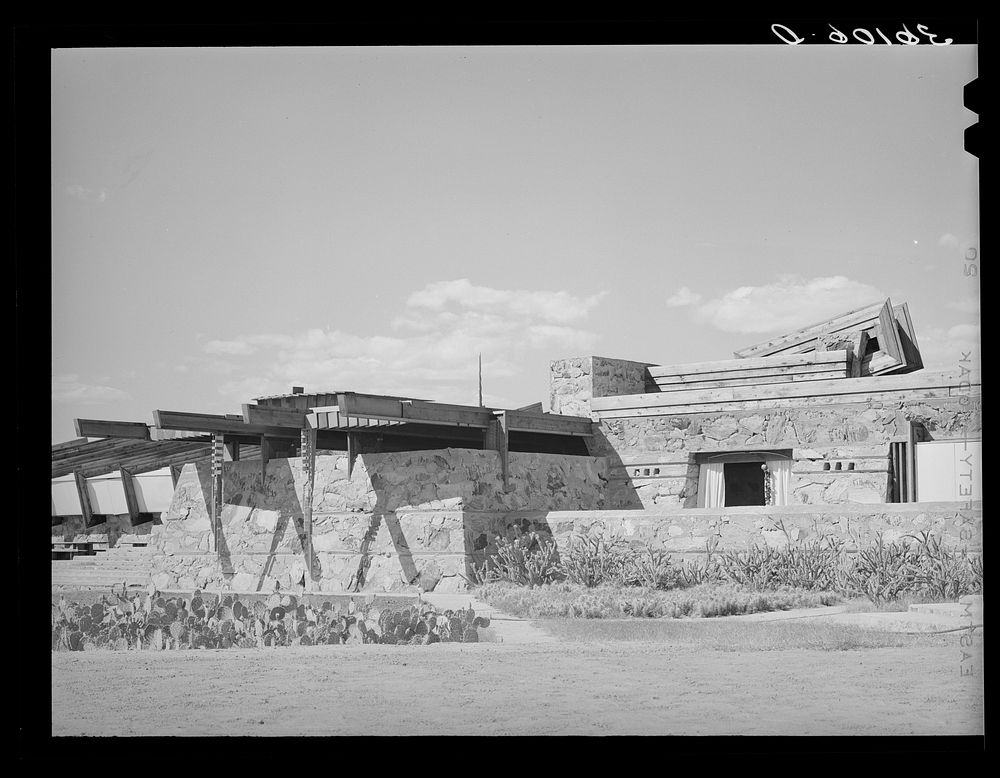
[{"x": 480, "y": 379}]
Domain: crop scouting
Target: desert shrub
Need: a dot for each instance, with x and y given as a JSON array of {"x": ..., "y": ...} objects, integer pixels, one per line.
[
  {"x": 976, "y": 574},
  {"x": 650, "y": 568},
  {"x": 693, "y": 573},
  {"x": 594, "y": 560},
  {"x": 883, "y": 571},
  {"x": 528, "y": 559},
  {"x": 570, "y": 600},
  {"x": 945, "y": 573},
  {"x": 817, "y": 564}
]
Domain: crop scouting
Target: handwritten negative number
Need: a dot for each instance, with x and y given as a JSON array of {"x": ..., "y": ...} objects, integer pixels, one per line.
[{"x": 904, "y": 36}]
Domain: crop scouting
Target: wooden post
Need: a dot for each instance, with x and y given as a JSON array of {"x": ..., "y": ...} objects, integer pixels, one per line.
[
  {"x": 496, "y": 438},
  {"x": 233, "y": 449},
  {"x": 128, "y": 486},
  {"x": 352, "y": 452},
  {"x": 218, "y": 447},
  {"x": 309, "y": 471},
  {"x": 503, "y": 448},
  {"x": 264, "y": 453},
  {"x": 911, "y": 462},
  {"x": 490, "y": 436},
  {"x": 81, "y": 490}
]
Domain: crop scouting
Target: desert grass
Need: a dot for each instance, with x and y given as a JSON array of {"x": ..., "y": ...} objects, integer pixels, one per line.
[{"x": 707, "y": 600}]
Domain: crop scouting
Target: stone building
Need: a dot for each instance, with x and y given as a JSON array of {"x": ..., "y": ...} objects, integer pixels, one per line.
[{"x": 833, "y": 429}]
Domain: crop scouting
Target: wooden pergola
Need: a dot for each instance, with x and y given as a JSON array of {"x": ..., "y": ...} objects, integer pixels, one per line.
[{"x": 300, "y": 423}]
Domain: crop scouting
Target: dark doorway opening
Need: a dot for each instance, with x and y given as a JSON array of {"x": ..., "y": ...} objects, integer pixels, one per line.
[{"x": 744, "y": 483}]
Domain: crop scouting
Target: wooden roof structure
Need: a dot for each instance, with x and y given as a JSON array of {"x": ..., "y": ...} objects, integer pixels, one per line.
[
  {"x": 883, "y": 324},
  {"x": 339, "y": 419},
  {"x": 99, "y": 457}
]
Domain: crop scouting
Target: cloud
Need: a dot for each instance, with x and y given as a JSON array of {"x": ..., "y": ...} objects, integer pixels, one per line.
[
  {"x": 946, "y": 347},
  {"x": 966, "y": 305},
  {"x": 431, "y": 349},
  {"x": 683, "y": 296},
  {"x": 87, "y": 195},
  {"x": 69, "y": 389},
  {"x": 557, "y": 307},
  {"x": 786, "y": 304},
  {"x": 229, "y": 347},
  {"x": 948, "y": 241}
]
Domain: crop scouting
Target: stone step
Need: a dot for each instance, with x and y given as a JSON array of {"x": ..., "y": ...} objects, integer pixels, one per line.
[
  {"x": 91, "y": 566},
  {"x": 101, "y": 574},
  {"x": 106, "y": 582},
  {"x": 100, "y": 571}
]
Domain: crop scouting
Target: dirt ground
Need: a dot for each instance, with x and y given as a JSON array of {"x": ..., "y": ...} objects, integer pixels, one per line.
[{"x": 601, "y": 688}]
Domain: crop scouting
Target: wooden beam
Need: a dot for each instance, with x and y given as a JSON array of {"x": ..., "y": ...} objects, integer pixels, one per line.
[
  {"x": 69, "y": 444},
  {"x": 377, "y": 407},
  {"x": 309, "y": 471},
  {"x": 911, "y": 462},
  {"x": 128, "y": 486},
  {"x": 858, "y": 401},
  {"x": 534, "y": 408},
  {"x": 503, "y": 446},
  {"x": 233, "y": 449},
  {"x": 785, "y": 378},
  {"x": 908, "y": 339},
  {"x": 551, "y": 423},
  {"x": 844, "y": 387},
  {"x": 329, "y": 418},
  {"x": 767, "y": 364},
  {"x": 219, "y": 424},
  {"x": 84, "y": 495},
  {"x": 800, "y": 339},
  {"x": 274, "y": 417},
  {"x": 888, "y": 333},
  {"x": 96, "y": 428},
  {"x": 882, "y": 363}
]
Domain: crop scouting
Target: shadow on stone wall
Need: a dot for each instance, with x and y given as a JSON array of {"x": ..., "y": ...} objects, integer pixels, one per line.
[
  {"x": 260, "y": 497},
  {"x": 113, "y": 528},
  {"x": 620, "y": 493}
]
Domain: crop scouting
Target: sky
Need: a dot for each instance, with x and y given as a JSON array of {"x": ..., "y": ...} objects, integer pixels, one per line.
[{"x": 228, "y": 223}]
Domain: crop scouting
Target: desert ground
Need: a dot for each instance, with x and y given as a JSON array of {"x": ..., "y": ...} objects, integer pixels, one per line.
[{"x": 913, "y": 686}]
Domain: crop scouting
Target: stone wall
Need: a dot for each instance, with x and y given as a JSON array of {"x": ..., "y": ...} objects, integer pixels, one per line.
[
  {"x": 398, "y": 521},
  {"x": 573, "y": 382},
  {"x": 688, "y": 532},
  {"x": 655, "y": 458},
  {"x": 427, "y": 549}
]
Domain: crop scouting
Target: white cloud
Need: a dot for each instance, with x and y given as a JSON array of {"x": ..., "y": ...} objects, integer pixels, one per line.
[
  {"x": 557, "y": 307},
  {"x": 942, "y": 347},
  {"x": 432, "y": 352},
  {"x": 948, "y": 241},
  {"x": 786, "y": 304},
  {"x": 68, "y": 388},
  {"x": 683, "y": 296}
]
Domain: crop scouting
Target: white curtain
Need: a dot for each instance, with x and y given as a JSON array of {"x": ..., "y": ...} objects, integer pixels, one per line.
[
  {"x": 712, "y": 485},
  {"x": 781, "y": 476}
]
